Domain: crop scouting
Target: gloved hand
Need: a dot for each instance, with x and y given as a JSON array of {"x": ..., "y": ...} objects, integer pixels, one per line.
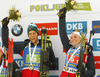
[
  {"x": 47, "y": 63},
  {"x": 63, "y": 12},
  {"x": 5, "y": 21},
  {"x": 82, "y": 69},
  {"x": 52, "y": 65},
  {"x": 90, "y": 48}
]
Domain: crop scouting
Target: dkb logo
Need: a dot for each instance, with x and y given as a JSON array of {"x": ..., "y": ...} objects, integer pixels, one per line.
[{"x": 70, "y": 26}]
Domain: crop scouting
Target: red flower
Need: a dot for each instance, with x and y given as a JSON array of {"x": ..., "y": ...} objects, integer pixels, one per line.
[{"x": 17, "y": 10}]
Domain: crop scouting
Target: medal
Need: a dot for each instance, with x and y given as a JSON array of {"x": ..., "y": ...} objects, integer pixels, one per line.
[
  {"x": 30, "y": 67},
  {"x": 66, "y": 68}
]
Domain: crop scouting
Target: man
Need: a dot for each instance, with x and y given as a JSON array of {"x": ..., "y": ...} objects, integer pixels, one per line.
[
  {"x": 72, "y": 49},
  {"x": 31, "y": 46},
  {"x": 16, "y": 70}
]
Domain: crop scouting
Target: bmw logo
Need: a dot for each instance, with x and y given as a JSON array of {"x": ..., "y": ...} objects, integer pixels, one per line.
[{"x": 17, "y": 30}]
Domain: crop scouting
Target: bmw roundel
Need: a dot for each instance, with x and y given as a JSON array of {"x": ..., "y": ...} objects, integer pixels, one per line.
[{"x": 17, "y": 30}]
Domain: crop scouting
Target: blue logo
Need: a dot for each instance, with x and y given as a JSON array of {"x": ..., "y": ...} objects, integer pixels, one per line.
[
  {"x": 17, "y": 30},
  {"x": 96, "y": 26},
  {"x": 96, "y": 44},
  {"x": 70, "y": 26}
]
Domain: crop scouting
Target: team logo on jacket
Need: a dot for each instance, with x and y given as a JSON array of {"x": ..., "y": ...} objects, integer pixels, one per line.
[{"x": 17, "y": 30}]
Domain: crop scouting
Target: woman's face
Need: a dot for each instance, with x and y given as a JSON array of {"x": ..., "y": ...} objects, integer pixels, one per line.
[
  {"x": 33, "y": 36},
  {"x": 75, "y": 39}
]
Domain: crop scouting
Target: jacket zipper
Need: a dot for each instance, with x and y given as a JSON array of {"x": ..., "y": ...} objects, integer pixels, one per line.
[
  {"x": 31, "y": 73},
  {"x": 68, "y": 74}
]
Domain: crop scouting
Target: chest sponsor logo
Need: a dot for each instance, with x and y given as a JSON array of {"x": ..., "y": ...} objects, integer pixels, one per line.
[
  {"x": 74, "y": 59},
  {"x": 52, "y": 28},
  {"x": 36, "y": 59}
]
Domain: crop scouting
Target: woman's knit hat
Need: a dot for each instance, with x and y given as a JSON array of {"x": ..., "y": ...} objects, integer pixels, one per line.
[
  {"x": 76, "y": 32},
  {"x": 33, "y": 27}
]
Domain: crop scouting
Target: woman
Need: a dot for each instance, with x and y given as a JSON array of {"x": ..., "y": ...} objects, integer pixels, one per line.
[{"x": 72, "y": 47}]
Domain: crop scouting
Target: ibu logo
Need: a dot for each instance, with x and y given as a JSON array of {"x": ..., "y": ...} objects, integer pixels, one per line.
[
  {"x": 70, "y": 26},
  {"x": 96, "y": 44}
]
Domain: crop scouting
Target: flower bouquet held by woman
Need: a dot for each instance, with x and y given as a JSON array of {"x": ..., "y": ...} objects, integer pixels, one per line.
[
  {"x": 69, "y": 5},
  {"x": 13, "y": 15}
]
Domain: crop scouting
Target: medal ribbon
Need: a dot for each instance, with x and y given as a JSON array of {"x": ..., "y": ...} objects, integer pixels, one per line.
[{"x": 31, "y": 57}]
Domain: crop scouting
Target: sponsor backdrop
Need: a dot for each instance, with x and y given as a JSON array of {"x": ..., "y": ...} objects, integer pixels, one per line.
[{"x": 44, "y": 13}]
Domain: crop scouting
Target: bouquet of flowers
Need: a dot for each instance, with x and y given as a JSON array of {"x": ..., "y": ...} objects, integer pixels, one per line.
[
  {"x": 70, "y": 5},
  {"x": 13, "y": 15}
]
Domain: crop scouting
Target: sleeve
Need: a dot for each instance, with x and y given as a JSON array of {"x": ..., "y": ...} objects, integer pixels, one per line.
[
  {"x": 90, "y": 72},
  {"x": 63, "y": 35},
  {"x": 16, "y": 70},
  {"x": 18, "y": 47},
  {"x": 4, "y": 31},
  {"x": 5, "y": 36},
  {"x": 52, "y": 59}
]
